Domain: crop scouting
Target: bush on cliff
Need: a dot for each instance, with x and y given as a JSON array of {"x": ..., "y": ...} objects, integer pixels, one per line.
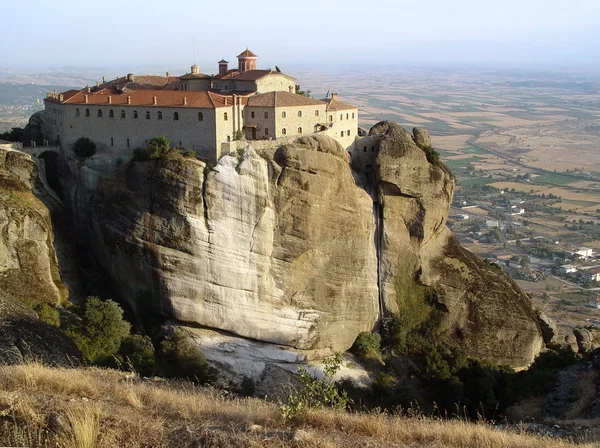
[
  {"x": 367, "y": 345},
  {"x": 47, "y": 314},
  {"x": 178, "y": 358},
  {"x": 84, "y": 147},
  {"x": 157, "y": 148},
  {"x": 432, "y": 155},
  {"x": 101, "y": 330},
  {"x": 137, "y": 354}
]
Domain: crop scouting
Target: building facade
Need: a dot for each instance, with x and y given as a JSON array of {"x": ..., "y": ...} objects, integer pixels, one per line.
[{"x": 196, "y": 111}]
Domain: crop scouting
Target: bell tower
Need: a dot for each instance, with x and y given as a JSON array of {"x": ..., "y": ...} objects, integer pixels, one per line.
[{"x": 246, "y": 61}]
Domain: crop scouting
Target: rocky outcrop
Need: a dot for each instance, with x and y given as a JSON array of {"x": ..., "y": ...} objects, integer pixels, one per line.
[
  {"x": 585, "y": 340},
  {"x": 487, "y": 315},
  {"x": 549, "y": 329},
  {"x": 286, "y": 247},
  {"x": 28, "y": 269},
  {"x": 25, "y": 338}
]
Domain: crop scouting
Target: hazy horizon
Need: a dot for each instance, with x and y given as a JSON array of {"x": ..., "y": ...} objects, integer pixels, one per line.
[{"x": 525, "y": 34}]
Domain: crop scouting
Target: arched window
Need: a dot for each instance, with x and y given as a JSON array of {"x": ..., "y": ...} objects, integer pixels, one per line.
[
  {"x": 299, "y": 113},
  {"x": 284, "y": 131},
  {"x": 331, "y": 118},
  {"x": 122, "y": 113},
  {"x": 159, "y": 115},
  {"x": 353, "y": 115},
  {"x": 316, "y": 113},
  {"x": 228, "y": 138},
  {"x": 299, "y": 130},
  {"x": 87, "y": 112},
  {"x": 77, "y": 112},
  {"x": 111, "y": 114},
  {"x": 175, "y": 116},
  {"x": 266, "y": 131},
  {"x": 200, "y": 116},
  {"x": 341, "y": 116},
  {"x": 147, "y": 115},
  {"x": 348, "y": 133},
  {"x": 347, "y": 116},
  {"x": 99, "y": 113},
  {"x": 342, "y": 133},
  {"x": 225, "y": 116},
  {"x": 283, "y": 115},
  {"x": 365, "y": 150},
  {"x": 266, "y": 114},
  {"x": 112, "y": 141},
  {"x": 252, "y": 114},
  {"x": 135, "y": 114}
]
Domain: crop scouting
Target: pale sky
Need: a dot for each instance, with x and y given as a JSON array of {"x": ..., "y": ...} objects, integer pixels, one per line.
[{"x": 306, "y": 34}]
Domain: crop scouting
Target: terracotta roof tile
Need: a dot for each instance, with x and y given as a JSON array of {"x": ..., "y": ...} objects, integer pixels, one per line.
[
  {"x": 281, "y": 99},
  {"x": 337, "y": 105},
  {"x": 246, "y": 54}
]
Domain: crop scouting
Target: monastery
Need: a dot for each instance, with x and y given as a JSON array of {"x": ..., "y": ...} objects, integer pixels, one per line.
[{"x": 199, "y": 112}]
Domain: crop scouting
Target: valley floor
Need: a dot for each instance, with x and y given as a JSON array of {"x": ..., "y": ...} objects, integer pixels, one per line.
[{"x": 91, "y": 407}]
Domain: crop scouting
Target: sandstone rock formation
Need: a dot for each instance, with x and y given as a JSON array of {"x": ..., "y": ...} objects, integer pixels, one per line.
[
  {"x": 28, "y": 269},
  {"x": 286, "y": 247}
]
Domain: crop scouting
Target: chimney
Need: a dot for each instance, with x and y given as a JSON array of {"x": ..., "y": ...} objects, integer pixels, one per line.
[
  {"x": 86, "y": 98},
  {"x": 97, "y": 83},
  {"x": 184, "y": 101},
  {"x": 223, "y": 67},
  {"x": 195, "y": 69},
  {"x": 225, "y": 101},
  {"x": 168, "y": 75},
  {"x": 154, "y": 100},
  {"x": 334, "y": 96},
  {"x": 60, "y": 97},
  {"x": 109, "y": 99},
  {"x": 87, "y": 89},
  {"x": 128, "y": 100},
  {"x": 130, "y": 77}
]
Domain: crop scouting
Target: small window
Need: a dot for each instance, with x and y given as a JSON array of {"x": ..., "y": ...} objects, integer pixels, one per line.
[
  {"x": 341, "y": 116},
  {"x": 225, "y": 116},
  {"x": 112, "y": 141},
  {"x": 331, "y": 118},
  {"x": 299, "y": 113},
  {"x": 111, "y": 114},
  {"x": 342, "y": 133},
  {"x": 159, "y": 115},
  {"x": 147, "y": 115},
  {"x": 266, "y": 114},
  {"x": 99, "y": 113},
  {"x": 372, "y": 148},
  {"x": 347, "y": 116},
  {"x": 353, "y": 115},
  {"x": 122, "y": 114},
  {"x": 365, "y": 149},
  {"x": 77, "y": 112},
  {"x": 348, "y": 133},
  {"x": 175, "y": 116},
  {"x": 135, "y": 114},
  {"x": 252, "y": 114},
  {"x": 200, "y": 116},
  {"x": 316, "y": 113},
  {"x": 128, "y": 143},
  {"x": 316, "y": 128},
  {"x": 228, "y": 138},
  {"x": 283, "y": 115},
  {"x": 266, "y": 131},
  {"x": 299, "y": 130},
  {"x": 284, "y": 131}
]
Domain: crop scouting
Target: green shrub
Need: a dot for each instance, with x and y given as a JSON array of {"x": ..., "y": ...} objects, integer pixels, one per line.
[
  {"x": 157, "y": 147},
  {"x": 367, "y": 345},
  {"x": 47, "y": 314},
  {"x": 316, "y": 393},
  {"x": 180, "y": 359},
  {"x": 84, "y": 147},
  {"x": 239, "y": 135},
  {"x": 101, "y": 330},
  {"x": 137, "y": 354},
  {"x": 432, "y": 155}
]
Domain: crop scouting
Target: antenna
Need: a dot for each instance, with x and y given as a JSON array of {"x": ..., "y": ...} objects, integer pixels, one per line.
[{"x": 194, "y": 48}]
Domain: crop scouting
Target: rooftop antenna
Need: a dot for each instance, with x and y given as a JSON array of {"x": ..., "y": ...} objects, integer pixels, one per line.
[{"x": 327, "y": 94}]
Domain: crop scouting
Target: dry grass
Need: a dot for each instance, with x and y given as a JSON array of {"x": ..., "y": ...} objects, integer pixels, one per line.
[{"x": 92, "y": 407}]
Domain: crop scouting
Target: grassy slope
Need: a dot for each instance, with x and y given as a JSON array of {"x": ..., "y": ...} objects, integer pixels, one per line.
[{"x": 41, "y": 406}]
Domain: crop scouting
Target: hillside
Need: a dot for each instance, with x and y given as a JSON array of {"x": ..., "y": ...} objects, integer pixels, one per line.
[{"x": 41, "y": 406}]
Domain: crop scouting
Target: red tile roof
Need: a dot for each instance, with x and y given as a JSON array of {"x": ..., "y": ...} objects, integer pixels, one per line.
[
  {"x": 247, "y": 54},
  {"x": 144, "y": 82},
  {"x": 281, "y": 99},
  {"x": 145, "y": 98},
  {"x": 337, "y": 105}
]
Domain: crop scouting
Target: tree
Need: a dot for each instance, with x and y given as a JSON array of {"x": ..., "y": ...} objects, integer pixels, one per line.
[
  {"x": 158, "y": 147},
  {"x": 301, "y": 92},
  {"x": 14, "y": 135},
  {"x": 101, "y": 330},
  {"x": 179, "y": 358},
  {"x": 84, "y": 147},
  {"x": 47, "y": 314}
]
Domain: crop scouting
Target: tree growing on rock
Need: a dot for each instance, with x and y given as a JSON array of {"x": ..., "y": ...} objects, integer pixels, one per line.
[{"x": 84, "y": 147}]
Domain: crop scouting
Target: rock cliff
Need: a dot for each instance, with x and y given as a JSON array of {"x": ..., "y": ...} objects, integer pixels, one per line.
[{"x": 285, "y": 245}]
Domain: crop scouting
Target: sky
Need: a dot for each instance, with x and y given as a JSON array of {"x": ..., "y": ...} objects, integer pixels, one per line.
[{"x": 307, "y": 34}]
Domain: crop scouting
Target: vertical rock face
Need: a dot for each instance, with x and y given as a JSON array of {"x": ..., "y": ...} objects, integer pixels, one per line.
[
  {"x": 277, "y": 248},
  {"x": 487, "y": 315},
  {"x": 28, "y": 268}
]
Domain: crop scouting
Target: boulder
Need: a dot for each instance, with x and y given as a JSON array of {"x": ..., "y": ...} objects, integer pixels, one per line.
[
  {"x": 421, "y": 138},
  {"x": 585, "y": 340},
  {"x": 548, "y": 327}
]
